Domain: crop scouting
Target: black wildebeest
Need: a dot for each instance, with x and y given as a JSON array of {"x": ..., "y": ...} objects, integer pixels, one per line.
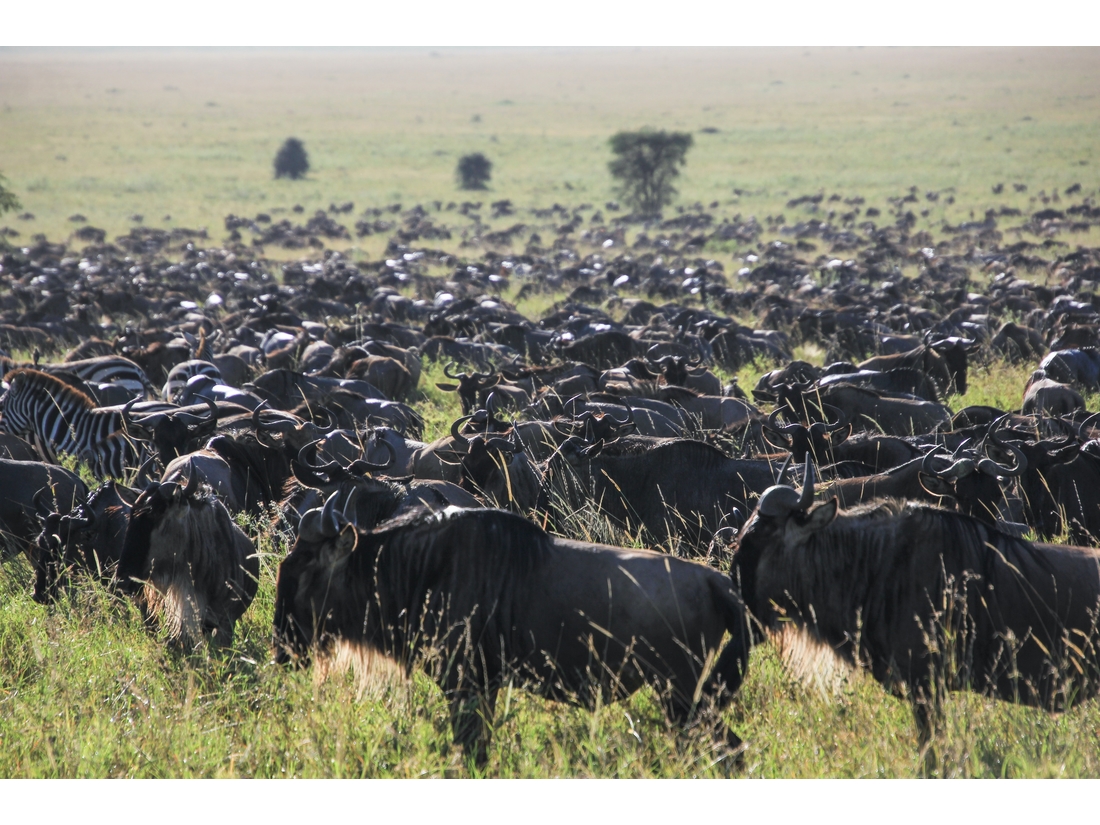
[
  {"x": 496, "y": 596},
  {"x": 925, "y": 598},
  {"x": 90, "y": 538},
  {"x": 197, "y": 571},
  {"x": 24, "y": 486}
]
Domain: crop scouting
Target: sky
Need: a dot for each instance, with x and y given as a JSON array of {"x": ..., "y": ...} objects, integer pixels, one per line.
[{"x": 549, "y": 23}]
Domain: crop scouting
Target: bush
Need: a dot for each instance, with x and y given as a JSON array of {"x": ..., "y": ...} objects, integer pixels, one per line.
[
  {"x": 291, "y": 161},
  {"x": 645, "y": 164},
  {"x": 473, "y": 171},
  {"x": 8, "y": 201}
]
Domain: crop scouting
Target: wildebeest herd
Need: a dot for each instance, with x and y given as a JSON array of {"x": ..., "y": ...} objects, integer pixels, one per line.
[{"x": 849, "y": 503}]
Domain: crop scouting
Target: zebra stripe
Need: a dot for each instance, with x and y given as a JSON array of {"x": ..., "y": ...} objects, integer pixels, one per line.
[{"x": 61, "y": 419}]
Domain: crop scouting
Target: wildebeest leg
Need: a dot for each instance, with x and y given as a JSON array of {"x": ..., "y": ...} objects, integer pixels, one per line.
[{"x": 471, "y": 720}]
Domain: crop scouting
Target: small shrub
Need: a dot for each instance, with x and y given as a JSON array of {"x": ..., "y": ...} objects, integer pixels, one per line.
[
  {"x": 291, "y": 161},
  {"x": 8, "y": 201}
]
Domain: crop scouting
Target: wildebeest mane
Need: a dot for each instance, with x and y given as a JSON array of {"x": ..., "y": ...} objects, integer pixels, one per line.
[
  {"x": 886, "y": 554},
  {"x": 440, "y": 575}
]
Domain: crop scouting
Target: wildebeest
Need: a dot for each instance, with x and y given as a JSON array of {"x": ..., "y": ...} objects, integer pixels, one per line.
[
  {"x": 26, "y": 486},
  {"x": 1076, "y": 367},
  {"x": 90, "y": 537},
  {"x": 926, "y": 599},
  {"x": 672, "y": 488},
  {"x": 197, "y": 571},
  {"x": 494, "y": 596}
]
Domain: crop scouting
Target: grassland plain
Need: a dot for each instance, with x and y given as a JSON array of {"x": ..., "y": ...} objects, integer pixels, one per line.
[
  {"x": 87, "y": 690},
  {"x": 193, "y": 133}
]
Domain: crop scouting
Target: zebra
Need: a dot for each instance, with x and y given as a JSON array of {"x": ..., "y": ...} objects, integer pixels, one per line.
[
  {"x": 181, "y": 373},
  {"x": 60, "y": 418},
  {"x": 104, "y": 369}
]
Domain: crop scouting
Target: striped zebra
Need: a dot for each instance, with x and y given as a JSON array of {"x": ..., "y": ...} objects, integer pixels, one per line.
[
  {"x": 58, "y": 418},
  {"x": 104, "y": 369}
]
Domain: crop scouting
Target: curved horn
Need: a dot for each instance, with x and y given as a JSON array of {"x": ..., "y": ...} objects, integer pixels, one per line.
[
  {"x": 455, "y": 434},
  {"x": 361, "y": 466},
  {"x": 330, "y": 526},
  {"x": 783, "y": 429},
  {"x": 990, "y": 467},
  {"x": 1092, "y": 421},
  {"x": 449, "y": 374},
  {"x": 309, "y": 450},
  {"x": 36, "y": 502},
  {"x": 807, "y": 486},
  {"x": 192, "y": 484},
  {"x": 349, "y": 507}
]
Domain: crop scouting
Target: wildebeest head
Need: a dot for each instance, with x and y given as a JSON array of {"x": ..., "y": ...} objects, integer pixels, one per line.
[
  {"x": 91, "y": 537},
  {"x": 145, "y": 515},
  {"x": 468, "y": 386},
  {"x": 817, "y": 440},
  {"x": 973, "y": 480},
  {"x": 326, "y": 537},
  {"x": 783, "y": 518},
  {"x": 173, "y": 433},
  {"x": 953, "y": 350}
]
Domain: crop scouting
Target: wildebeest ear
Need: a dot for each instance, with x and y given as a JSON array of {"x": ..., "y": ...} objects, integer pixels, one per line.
[
  {"x": 447, "y": 387},
  {"x": 935, "y": 485},
  {"x": 818, "y": 518},
  {"x": 342, "y": 545}
]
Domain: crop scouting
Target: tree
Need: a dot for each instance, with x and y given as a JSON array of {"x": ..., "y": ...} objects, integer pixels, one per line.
[
  {"x": 291, "y": 161},
  {"x": 8, "y": 201},
  {"x": 473, "y": 171},
  {"x": 645, "y": 164}
]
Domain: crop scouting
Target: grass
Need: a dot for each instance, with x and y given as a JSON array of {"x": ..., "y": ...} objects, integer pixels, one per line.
[{"x": 86, "y": 690}]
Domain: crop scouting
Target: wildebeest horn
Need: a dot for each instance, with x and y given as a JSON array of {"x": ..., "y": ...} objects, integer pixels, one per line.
[
  {"x": 491, "y": 410},
  {"x": 192, "y": 484},
  {"x": 783, "y": 469},
  {"x": 40, "y": 507},
  {"x": 782, "y": 499},
  {"x": 349, "y": 506},
  {"x": 167, "y": 491},
  {"x": 449, "y": 374},
  {"x": 783, "y": 429},
  {"x": 807, "y": 485},
  {"x": 361, "y": 466},
  {"x": 958, "y": 468},
  {"x": 197, "y": 421},
  {"x": 309, "y": 450},
  {"x": 1092, "y": 421},
  {"x": 128, "y": 422},
  {"x": 990, "y": 467},
  {"x": 330, "y": 526},
  {"x": 455, "y": 434}
]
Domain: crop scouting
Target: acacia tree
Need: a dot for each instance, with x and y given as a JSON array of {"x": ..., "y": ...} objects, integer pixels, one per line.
[
  {"x": 473, "y": 171},
  {"x": 291, "y": 161},
  {"x": 8, "y": 201},
  {"x": 645, "y": 164}
]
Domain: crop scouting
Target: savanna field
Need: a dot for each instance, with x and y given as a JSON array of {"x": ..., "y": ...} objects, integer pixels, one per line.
[{"x": 161, "y": 146}]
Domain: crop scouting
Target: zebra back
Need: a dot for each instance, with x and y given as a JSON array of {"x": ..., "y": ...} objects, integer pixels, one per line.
[{"x": 60, "y": 418}]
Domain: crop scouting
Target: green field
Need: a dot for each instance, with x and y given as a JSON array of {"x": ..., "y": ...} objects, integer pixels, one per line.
[
  {"x": 192, "y": 134},
  {"x": 87, "y": 690}
]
